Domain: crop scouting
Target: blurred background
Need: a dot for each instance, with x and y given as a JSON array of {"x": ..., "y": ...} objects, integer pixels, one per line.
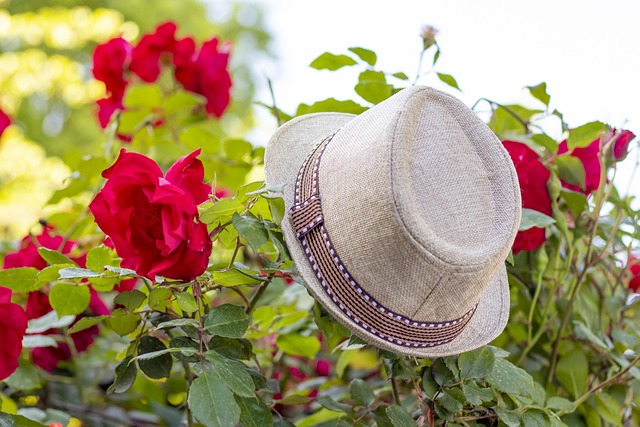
[{"x": 586, "y": 52}]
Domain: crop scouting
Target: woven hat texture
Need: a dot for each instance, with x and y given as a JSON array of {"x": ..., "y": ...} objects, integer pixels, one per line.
[{"x": 421, "y": 204}]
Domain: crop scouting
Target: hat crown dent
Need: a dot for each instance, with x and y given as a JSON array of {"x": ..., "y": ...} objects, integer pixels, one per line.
[{"x": 422, "y": 203}]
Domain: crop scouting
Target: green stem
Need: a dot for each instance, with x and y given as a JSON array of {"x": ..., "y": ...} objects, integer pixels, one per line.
[
  {"x": 256, "y": 297},
  {"x": 394, "y": 391},
  {"x": 534, "y": 302},
  {"x": 602, "y": 385}
]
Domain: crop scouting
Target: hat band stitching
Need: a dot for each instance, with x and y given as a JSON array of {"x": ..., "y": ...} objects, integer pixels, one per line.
[{"x": 308, "y": 223}]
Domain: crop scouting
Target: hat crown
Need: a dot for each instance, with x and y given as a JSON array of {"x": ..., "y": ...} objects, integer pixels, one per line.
[{"x": 421, "y": 202}]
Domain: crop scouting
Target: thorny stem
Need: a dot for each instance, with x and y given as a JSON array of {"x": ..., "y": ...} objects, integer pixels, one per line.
[{"x": 599, "y": 201}]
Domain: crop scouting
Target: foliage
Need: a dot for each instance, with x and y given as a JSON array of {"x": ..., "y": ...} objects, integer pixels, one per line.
[{"x": 244, "y": 343}]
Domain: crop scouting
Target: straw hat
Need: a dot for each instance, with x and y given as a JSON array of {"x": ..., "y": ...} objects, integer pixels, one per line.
[{"x": 400, "y": 219}]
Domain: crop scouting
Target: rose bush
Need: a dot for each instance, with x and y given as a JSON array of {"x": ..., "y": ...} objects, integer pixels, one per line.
[{"x": 165, "y": 294}]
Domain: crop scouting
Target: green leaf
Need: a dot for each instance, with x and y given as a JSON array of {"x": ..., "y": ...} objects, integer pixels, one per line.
[
  {"x": 21, "y": 279},
  {"x": 508, "y": 417},
  {"x": 251, "y": 229},
  {"x": 372, "y": 86},
  {"x": 160, "y": 298},
  {"x": 232, "y": 348},
  {"x": 195, "y": 137},
  {"x": 577, "y": 202},
  {"x": 50, "y": 274},
  {"x": 508, "y": 378},
  {"x": 546, "y": 142},
  {"x": 253, "y": 412},
  {"x": 329, "y": 61},
  {"x": 186, "y": 302},
  {"x": 54, "y": 257},
  {"x": 35, "y": 341},
  {"x": 361, "y": 393},
  {"x": 212, "y": 403},
  {"x": 476, "y": 395},
  {"x": 233, "y": 373},
  {"x": 298, "y": 345},
  {"x": 48, "y": 321},
  {"x": 332, "y": 405},
  {"x": 560, "y": 404},
  {"x": 401, "y": 76},
  {"x": 221, "y": 212},
  {"x": 233, "y": 277},
  {"x": 77, "y": 273},
  {"x": 429, "y": 384},
  {"x": 532, "y": 218},
  {"x": 7, "y": 420},
  {"x": 331, "y": 105},
  {"x": 476, "y": 364},
  {"x": 399, "y": 417},
  {"x": 584, "y": 135},
  {"x": 25, "y": 378},
  {"x": 158, "y": 367},
  {"x": 178, "y": 323},
  {"x": 86, "y": 323},
  {"x": 449, "y": 401},
  {"x": 572, "y": 371},
  {"x": 441, "y": 373},
  {"x": 366, "y": 55},
  {"x": 68, "y": 299},
  {"x": 535, "y": 418},
  {"x": 570, "y": 169},
  {"x": 124, "y": 323},
  {"x": 539, "y": 92},
  {"x": 227, "y": 320},
  {"x": 320, "y": 418},
  {"x": 609, "y": 408},
  {"x": 448, "y": 79},
  {"x": 131, "y": 300},
  {"x": 100, "y": 256},
  {"x": 126, "y": 373}
]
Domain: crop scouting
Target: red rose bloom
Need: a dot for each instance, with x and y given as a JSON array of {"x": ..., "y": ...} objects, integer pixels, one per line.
[
  {"x": 13, "y": 325},
  {"x": 28, "y": 256},
  {"x": 205, "y": 72},
  {"x": 153, "y": 219},
  {"x": 110, "y": 61},
  {"x": 145, "y": 61},
  {"x": 589, "y": 157},
  {"x": 621, "y": 145},
  {"x": 5, "y": 121},
  {"x": 533, "y": 177}
]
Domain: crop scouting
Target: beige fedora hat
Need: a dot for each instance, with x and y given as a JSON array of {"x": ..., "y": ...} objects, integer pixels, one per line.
[{"x": 400, "y": 220}]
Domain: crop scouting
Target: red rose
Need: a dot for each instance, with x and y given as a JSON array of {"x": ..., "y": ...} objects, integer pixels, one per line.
[
  {"x": 634, "y": 268},
  {"x": 145, "y": 61},
  {"x": 110, "y": 60},
  {"x": 13, "y": 325},
  {"x": 323, "y": 368},
  {"x": 28, "y": 256},
  {"x": 205, "y": 72},
  {"x": 5, "y": 121},
  {"x": 109, "y": 63},
  {"x": 533, "y": 177},
  {"x": 621, "y": 144},
  {"x": 153, "y": 219},
  {"x": 589, "y": 157}
]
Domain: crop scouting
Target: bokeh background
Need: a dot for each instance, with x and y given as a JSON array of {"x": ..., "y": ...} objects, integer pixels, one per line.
[{"x": 586, "y": 52}]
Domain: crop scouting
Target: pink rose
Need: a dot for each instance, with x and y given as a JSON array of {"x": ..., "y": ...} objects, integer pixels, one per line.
[{"x": 153, "y": 219}]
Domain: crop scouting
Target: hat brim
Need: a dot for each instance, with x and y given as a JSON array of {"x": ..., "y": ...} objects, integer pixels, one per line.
[{"x": 285, "y": 154}]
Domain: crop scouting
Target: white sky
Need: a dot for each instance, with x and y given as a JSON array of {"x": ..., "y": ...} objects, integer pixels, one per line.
[{"x": 588, "y": 52}]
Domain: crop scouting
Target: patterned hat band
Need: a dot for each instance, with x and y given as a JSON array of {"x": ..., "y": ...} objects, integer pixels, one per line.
[{"x": 342, "y": 288}]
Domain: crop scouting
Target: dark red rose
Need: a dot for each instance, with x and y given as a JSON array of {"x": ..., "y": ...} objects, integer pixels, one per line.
[
  {"x": 5, "y": 121},
  {"x": 589, "y": 157},
  {"x": 323, "y": 368},
  {"x": 110, "y": 60},
  {"x": 621, "y": 144},
  {"x": 106, "y": 108},
  {"x": 13, "y": 325},
  {"x": 145, "y": 61},
  {"x": 48, "y": 358},
  {"x": 634, "y": 269},
  {"x": 205, "y": 72},
  {"x": 153, "y": 219},
  {"x": 28, "y": 256},
  {"x": 533, "y": 177}
]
